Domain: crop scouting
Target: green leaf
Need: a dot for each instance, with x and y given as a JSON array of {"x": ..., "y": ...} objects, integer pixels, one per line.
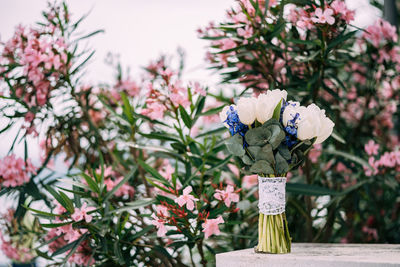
[
  {"x": 257, "y": 136},
  {"x": 212, "y": 111},
  {"x": 156, "y": 175},
  {"x": 68, "y": 202},
  {"x": 160, "y": 136},
  {"x": 266, "y": 153},
  {"x": 185, "y": 117},
  {"x": 340, "y": 40},
  {"x": 253, "y": 150},
  {"x": 275, "y": 132},
  {"x": 42, "y": 213},
  {"x": 127, "y": 109},
  {"x": 55, "y": 225},
  {"x": 57, "y": 196},
  {"x": 281, "y": 166},
  {"x": 234, "y": 145},
  {"x": 247, "y": 160},
  {"x": 91, "y": 182},
  {"x": 346, "y": 155},
  {"x": 309, "y": 190},
  {"x": 284, "y": 151},
  {"x": 277, "y": 111},
  {"x": 262, "y": 166},
  {"x": 121, "y": 183},
  {"x": 337, "y": 137}
]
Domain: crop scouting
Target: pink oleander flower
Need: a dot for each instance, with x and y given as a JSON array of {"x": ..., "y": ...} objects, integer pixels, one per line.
[
  {"x": 167, "y": 170},
  {"x": 159, "y": 224},
  {"x": 154, "y": 110},
  {"x": 198, "y": 89},
  {"x": 124, "y": 190},
  {"x": 186, "y": 198},
  {"x": 371, "y": 148},
  {"x": 82, "y": 213},
  {"x": 228, "y": 195},
  {"x": 162, "y": 211},
  {"x": 210, "y": 226},
  {"x": 18, "y": 254},
  {"x": 179, "y": 95},
  {"x": 250, "y": 181},
  {"x": 340, "y": 8},
  {"x": 57, "y": 243},
  {"x": 83, "y": 255},
  {"x": 315, "y": 152},
  {"x": 15, "y": 171},
  {"x": 70, "y": 234},
  {"x": 246, "y": 33},
  {"x": 323, "y": 16}
]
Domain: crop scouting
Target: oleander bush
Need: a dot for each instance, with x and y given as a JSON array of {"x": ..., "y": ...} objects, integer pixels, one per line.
[{"x": 148, "y": 180}]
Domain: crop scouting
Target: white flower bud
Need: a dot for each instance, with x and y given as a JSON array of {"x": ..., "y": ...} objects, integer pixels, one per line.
[{"x": 246, "y": 108}]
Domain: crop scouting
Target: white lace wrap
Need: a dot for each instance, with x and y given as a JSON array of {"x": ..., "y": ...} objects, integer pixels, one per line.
[{"x": 272, "y": 193}]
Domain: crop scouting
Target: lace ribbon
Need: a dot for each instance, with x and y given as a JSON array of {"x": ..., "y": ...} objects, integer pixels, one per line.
[{"x": 272, "y": 195}]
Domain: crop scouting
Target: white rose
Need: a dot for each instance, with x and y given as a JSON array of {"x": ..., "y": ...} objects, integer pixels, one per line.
[
  {"x": 290, "y": 112},
  {"x": 223, "y": 114},
  {"x": 326, "y": 128},
  {"x": 313, "y": 122},
  {"x": 246, "y": 108},
  {"x": 266, "y": 104}
]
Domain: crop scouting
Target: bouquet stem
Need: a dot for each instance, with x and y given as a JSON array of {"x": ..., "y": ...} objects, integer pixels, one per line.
[{"x": 273, "y": 234}]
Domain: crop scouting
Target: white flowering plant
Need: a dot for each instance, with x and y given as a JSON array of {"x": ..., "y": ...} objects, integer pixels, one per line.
[{"x": 271, "y": 136}]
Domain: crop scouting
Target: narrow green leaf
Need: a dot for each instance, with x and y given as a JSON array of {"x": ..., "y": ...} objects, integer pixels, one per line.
[
  {"x": 309, "y": 190},
  {"x": 185, "y": 117}
]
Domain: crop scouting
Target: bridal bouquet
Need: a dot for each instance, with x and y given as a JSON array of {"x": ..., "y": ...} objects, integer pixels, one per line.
[{"x": 271, "y": 136}]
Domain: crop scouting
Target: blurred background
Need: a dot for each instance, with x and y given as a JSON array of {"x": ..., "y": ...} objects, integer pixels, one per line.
[{"x": 139, "y": 31}]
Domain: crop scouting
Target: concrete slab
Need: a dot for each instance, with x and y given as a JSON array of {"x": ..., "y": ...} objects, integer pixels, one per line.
[{"x": 317, "y": 255}]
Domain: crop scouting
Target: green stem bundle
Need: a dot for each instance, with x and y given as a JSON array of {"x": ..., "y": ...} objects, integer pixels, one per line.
[{"x": 273, "y": 234}]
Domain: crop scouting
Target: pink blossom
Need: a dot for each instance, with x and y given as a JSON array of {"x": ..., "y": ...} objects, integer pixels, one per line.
[
  {"x": 82, "y": 213},
  {"x": 198, "y": 89},
  {"x": 323, "y": 16},
  {"x": 315, "y": 152},
  {"x": 250, "y": 181},
  {"x": 15, "y": 252},
  {"x": 154, "y": 110},
  {"x": 226, "y": 44},
  {"x": 371, "y": 148},
  {"x": 340, "y": 8},
  {"x": 15, "y": 171},
  {"x": 167, "y": 170},
  {"x": 246, "y": 33},
  {"x": 162, "y": 211},
  {"x": 228, "y": 195},
  {"x": 179, "y": 95},
  {"x": 159, "y": 224},
  {"x": 71, "y": 234},
  {"x": 186, "y": 198},
  {"x": 124, "y": 190},
  {"x": 83, "y": 255},
  {"x": 210, "y": 226}
]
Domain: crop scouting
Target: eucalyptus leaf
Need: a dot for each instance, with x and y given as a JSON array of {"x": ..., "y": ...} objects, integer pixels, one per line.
[
  {"x": 247, "y": 160},
  {"x": 281, "y": 164},
  {"x": 266, "y": 153},
  {"x": 284, "y": 151},
  {"x": 235, "y": 145},
  {"x": 262, "y": 166},
  {"x": 257, "y": 136},
  {"x": 275, "y": 132},
  {"x": 253, "y": 150}
]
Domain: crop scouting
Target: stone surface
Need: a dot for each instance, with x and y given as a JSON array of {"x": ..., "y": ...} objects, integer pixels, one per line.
[{"x": 314, "y": 254}]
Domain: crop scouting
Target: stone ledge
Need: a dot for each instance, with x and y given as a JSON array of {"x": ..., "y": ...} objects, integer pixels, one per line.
[{"x": 317, "y": 255}]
